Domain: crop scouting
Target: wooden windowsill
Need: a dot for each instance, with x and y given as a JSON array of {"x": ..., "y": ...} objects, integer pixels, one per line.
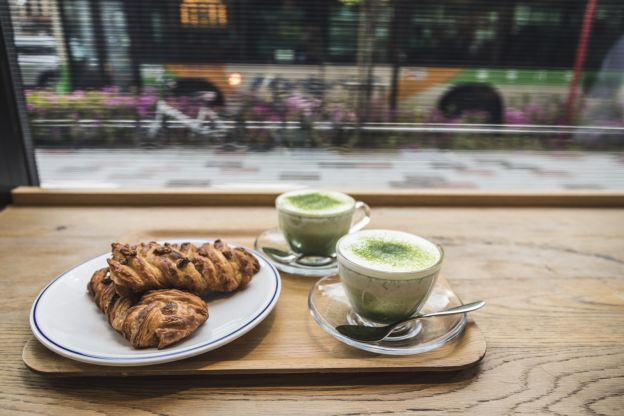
[{"x": 33, "y": 196}]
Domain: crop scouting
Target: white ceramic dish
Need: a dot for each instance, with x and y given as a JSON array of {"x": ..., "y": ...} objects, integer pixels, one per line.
[{"x": 65, "y": 319}]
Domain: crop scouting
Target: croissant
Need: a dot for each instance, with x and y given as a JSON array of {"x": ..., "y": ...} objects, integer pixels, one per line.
[
  {"x": 159, "y": 319},
  {"x": 114, "y": 307},
  {"x": 163, "y": 317},
  {"x": 213, "y": 267}
]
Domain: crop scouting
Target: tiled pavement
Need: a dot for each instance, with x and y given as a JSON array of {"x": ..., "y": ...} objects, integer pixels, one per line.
[{"x": 206, "y": 167}]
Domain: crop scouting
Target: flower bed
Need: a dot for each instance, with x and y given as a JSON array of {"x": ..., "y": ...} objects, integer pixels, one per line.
[{"x": 109, "y": 117}]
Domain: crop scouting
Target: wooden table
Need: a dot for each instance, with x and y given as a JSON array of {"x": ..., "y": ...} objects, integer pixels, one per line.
[{"x": 553, "y": 279}]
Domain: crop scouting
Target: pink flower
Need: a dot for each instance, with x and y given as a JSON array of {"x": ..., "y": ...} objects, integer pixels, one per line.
[
  {"x": 147, "y": 99},
  {"x": 337, "y": 116},
  {"x": 515, "y": 116},
  {"x": 112, "y": 102}
]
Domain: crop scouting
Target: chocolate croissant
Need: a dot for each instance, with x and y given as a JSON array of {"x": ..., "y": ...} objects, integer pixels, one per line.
[
  {"x": 159, "y": 319},
  {"x": 213, "y": 267}
]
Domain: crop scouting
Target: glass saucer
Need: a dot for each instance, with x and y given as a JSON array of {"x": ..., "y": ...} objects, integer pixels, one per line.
[
  {"x": 330, "y": 307},
  {"x": 275, "y": 248}
]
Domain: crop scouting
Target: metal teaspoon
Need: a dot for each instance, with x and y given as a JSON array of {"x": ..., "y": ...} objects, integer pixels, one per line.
[{"x": 377, "y": 333}]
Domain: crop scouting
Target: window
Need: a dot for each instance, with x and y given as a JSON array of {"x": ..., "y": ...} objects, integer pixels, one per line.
[
  {"x": 35, "y": 50},
  {"x": 386, "y": 93},
  {"x": 344, "y": 22},
  {"x": 343, "y": 29},
  {"x": 204, "y": 13},
  {"x": 453, "y": 33}
]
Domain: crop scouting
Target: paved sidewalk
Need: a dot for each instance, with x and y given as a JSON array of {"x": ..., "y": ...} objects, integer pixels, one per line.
[{"x": 206, "y": 167}]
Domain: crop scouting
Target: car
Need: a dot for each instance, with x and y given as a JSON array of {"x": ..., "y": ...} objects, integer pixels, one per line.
[{"x": 38, "y": 60}]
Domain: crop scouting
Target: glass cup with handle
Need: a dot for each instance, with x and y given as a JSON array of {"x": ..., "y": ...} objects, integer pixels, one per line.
[
  {"x": 387, "y": 275},
  {"x": 312, "y": 221}
]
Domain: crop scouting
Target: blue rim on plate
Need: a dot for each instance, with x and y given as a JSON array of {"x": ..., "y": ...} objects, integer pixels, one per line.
[{"x": 163, "y": 356}]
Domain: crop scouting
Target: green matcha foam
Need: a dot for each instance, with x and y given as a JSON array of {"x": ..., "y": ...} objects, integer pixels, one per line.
[
  {"x": 315, "y": 203},
  {"x": 389, "y": 251}
]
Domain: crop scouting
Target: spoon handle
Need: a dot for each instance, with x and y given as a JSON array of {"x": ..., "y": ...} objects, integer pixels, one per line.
[{"x": 469, "y": 307}]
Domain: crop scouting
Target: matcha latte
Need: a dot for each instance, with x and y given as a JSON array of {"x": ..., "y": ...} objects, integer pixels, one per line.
[
  {"x": 387, "y": 275},
  {"x": 312, "y": 221}
]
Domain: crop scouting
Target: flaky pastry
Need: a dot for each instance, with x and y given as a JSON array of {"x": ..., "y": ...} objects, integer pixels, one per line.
[
  {"x": 160, "y": 318},
  {"x": 213, "y": 267}
]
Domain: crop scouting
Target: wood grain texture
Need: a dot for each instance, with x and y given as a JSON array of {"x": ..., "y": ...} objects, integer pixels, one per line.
[
  {"x": 553, "y": 280},
  {"x": 32, "y": 196}
]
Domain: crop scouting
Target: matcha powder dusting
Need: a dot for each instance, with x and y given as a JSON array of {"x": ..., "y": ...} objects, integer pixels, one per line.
[
  {"x": 396, "y": 254},
  {"x": 314, "y": 202}
]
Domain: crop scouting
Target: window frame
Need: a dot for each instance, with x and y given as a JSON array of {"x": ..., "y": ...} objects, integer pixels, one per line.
[{"x": 17, "y": 158}]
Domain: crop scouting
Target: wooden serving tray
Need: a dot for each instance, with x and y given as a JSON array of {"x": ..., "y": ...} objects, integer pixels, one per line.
[{"x": 287, "y": 341}]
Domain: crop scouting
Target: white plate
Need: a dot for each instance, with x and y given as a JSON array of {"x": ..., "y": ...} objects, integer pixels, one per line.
[{"x": 66, "y": 320}]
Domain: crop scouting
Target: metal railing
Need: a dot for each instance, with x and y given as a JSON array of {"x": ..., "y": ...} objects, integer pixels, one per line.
[{"x": 325, "y": 125}]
